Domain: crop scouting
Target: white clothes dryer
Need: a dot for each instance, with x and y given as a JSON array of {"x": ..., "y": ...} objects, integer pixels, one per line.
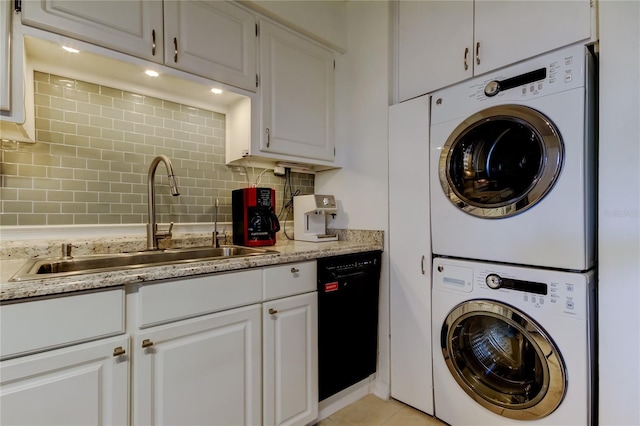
[
  {"x": 511, "y": 345},
  {"x": 512, "y": 174}
]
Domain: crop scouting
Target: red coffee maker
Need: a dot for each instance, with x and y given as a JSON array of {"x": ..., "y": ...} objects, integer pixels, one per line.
[{"x": 255, "y": 222}]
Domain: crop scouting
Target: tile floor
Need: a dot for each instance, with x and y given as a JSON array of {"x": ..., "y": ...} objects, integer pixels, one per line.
[{"x": 373, "y": 411}]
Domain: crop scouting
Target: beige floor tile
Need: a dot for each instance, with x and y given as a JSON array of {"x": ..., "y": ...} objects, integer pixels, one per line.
[
  {"x": 408, "y": 416},
  {"x": 369, "y": 411}
]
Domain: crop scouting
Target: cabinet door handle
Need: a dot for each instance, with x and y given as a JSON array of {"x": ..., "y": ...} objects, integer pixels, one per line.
[
  {"x": 175, "y": 49},
  {"x": 295, "y": 270},
  {"x": 478, "y": 53},
  {"x": 268, "y": 137},
  {"x": 272, "y": 311},
  {"x": 153, "y": 42},
  {"x": 146, "y": 343},
  {"x": 422, "y": 264},
  {"x": 119, "y": 351},
  {"x": 466, "y": 55}
]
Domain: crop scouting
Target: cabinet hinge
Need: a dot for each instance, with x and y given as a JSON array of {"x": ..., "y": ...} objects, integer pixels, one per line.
[{"x": 17, "y": 6}]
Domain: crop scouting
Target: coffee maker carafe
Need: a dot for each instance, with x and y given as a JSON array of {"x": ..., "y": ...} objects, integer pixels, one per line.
[{"x": 255, "y": 222}]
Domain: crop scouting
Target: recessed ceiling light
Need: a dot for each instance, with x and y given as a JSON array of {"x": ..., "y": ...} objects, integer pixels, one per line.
[
  {"x": 216, "y": 91},
  {"x": 152, "y": 73},
  {"x": 70, "y": 49}
]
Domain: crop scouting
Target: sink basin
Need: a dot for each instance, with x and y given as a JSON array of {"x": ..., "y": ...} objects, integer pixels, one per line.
[{"x": 39, "y": 268}]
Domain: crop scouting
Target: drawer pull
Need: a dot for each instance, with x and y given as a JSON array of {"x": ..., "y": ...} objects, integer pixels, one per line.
[
  {"x": 153, "y": 42},
  {"x": 146, "y": 343},
  {"x": 272, "y": 311},
  {"x": 295, "y": 270},
  {"x": 119, "y": 351},
  {"x": 175, "y": 50}
]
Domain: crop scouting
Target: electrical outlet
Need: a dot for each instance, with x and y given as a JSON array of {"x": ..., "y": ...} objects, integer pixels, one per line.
[{"x": 278, "y": 171}]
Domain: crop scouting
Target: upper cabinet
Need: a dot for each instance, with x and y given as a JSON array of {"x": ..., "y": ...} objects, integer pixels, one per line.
[
  {"x": 212, "y": 39},
  {"x": 443, "y": 42},
  {"x": 132, "y": 26},
  {"x": 297, "y": 91},
  {"x": 16, "y": 86}
]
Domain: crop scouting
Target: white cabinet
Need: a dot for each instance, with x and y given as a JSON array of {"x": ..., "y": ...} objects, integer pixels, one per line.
[
  {"x": 290, "y": 345},
  {"x": 131, "y": 26},
  {"x": 15, "y": 85},
  {"x": 197, "y": 350},
  {"x": 443, "y": 42},
  {"x": 214, "y": 39},
  {"x": 6, "y": 14},
  {"x": 410, "y": 254},
  {"x": 296, "y": 95},
  {"x": 204, "y": 370},
  {"x": 86, "y": 384},
  {"x": 76, "y": 383}
]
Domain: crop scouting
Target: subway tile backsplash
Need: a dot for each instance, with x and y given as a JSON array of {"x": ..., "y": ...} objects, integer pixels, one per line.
[{"x": 92, "y": 155}]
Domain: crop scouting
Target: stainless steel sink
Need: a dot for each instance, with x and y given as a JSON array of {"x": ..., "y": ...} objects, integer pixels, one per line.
[{"x": 40, "y": 268}]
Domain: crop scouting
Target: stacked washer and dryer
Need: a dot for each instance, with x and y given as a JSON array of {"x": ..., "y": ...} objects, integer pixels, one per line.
[{"x": 513, "y": 235}]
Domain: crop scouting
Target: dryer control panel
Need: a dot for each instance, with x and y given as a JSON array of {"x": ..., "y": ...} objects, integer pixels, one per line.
[{"x": 557, "y": 71}]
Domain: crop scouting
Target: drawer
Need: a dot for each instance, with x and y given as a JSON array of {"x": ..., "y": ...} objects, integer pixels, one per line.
[
  {"x": 290, "y": 279},
  {"x": 60, "y": 321},
  {"x": 173, "y": 300}
]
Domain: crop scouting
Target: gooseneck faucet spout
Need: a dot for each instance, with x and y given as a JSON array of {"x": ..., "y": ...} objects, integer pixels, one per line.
[{"x": 152, "y": 228}]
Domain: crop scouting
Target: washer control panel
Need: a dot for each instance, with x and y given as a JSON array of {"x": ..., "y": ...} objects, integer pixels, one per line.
[{"x": 557, "y": 292}]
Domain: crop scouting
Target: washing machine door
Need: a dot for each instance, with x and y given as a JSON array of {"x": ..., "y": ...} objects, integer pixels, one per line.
[
  {"x": 503, "y": 360},
  {"x": 501, "y": 161}
]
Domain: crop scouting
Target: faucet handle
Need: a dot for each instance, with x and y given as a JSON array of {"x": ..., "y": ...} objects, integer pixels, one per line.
[{"x": 164, "y": 234}]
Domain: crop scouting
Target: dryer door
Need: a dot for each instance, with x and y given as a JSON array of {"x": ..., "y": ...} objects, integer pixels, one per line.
[
  {"x": 503, "y": 360},
  {"x": 501, "y": 161}
]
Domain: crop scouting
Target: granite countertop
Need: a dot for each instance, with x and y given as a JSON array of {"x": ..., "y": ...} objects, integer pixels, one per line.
[{"x": 287, "y": 251}]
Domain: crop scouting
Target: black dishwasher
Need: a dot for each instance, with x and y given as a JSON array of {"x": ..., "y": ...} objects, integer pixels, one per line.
[{"x": 348, "y": 287}]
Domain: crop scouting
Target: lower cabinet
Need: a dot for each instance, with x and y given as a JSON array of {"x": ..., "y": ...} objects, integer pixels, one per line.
[
  {"x": 86, "y": 384},
  {"x": 205, "y": 370},
  {"x": 290, "y": 360},
  {"x": 237, "y": 348}
]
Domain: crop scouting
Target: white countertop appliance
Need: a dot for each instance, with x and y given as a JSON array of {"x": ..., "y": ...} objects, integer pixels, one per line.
[{"x": 309, "y": 217}]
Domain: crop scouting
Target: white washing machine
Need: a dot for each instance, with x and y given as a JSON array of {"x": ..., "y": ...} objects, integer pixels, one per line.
[
  {"x": 512, "y": 164},
  {"x": 511, "y": 345}
]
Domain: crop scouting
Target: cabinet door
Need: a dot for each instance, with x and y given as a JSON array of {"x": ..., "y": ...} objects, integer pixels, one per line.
[
  {"x": 129, "y": 26},
  {"x": 410, "y": 254},
  {"x": 5, "y": 55},
  {"x": 214, "y": 39},
  {"x": 86, "y": 384},
  {"x": 202, "y": 371},
  {"x": 290, "y": 390},
  {"x": 514, "y": 30},
  {"x": 435, "y": 39},
  {"x": 297, "y": 85}
]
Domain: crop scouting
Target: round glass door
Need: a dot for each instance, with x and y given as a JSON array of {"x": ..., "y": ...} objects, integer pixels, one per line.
[
  {"x": 501, "y": 161},
  {"x": 503, "y": 360}
]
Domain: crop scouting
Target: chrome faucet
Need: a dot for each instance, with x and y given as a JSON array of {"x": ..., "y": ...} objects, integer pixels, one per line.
[
  {"x": 153, "y": 235},
  {"x": 216, "y": 237}
]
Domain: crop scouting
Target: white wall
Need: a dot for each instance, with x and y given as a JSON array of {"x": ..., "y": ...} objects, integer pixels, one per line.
[
  {"x": 361, "y": 187},
  {"x": 619, "y": 213}
]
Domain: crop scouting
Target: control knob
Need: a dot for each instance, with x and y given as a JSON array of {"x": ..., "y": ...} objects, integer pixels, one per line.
[
  {"x": 492, "y": 88},
  {"x": 493, "y": 281}
]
